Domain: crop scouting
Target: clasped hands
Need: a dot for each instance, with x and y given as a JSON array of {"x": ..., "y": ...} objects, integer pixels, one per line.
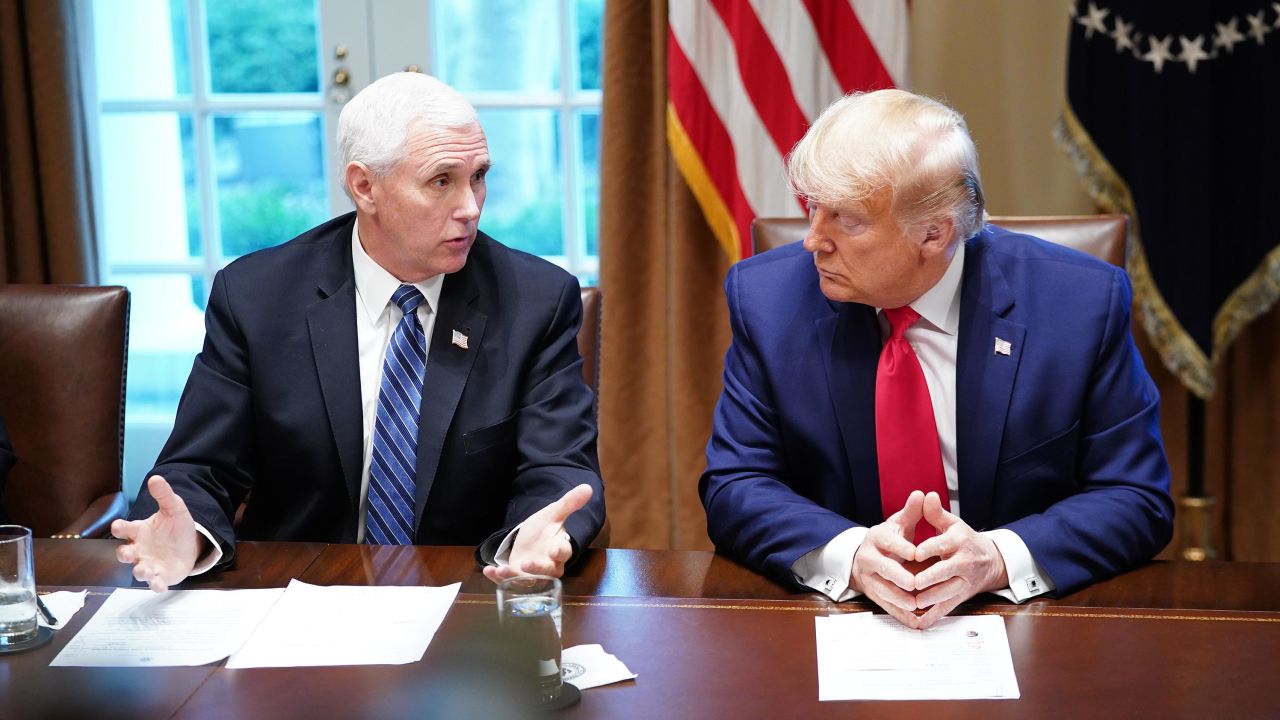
[
  {"x": 165, "y": 547},
  {"x": 934, "y": 576}
]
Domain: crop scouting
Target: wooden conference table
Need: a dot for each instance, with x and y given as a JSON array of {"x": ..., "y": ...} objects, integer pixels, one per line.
[{"x": 708, "y": 639}]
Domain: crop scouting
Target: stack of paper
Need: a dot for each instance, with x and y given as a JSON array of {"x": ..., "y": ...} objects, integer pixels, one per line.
[
  {"x": 301, "y": 625},
  {"x": 862, "y": 656}
]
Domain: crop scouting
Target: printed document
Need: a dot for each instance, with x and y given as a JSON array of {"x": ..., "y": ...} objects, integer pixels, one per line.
[
  {"x": 141, "y": 628},
  {"x": 862, "y": 656},
  {"x": 301, "y": 625},
  {"x": 347, "y": 625}
]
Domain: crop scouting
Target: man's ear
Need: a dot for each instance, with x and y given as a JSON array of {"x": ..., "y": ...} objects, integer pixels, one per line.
[
  {"x": 360, "y": 180},
  {"x": 938, "y": 234}
]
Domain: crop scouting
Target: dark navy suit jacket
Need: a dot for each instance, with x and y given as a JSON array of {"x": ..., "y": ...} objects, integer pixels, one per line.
[
  {"x": 273, "y": 401},
  {"x": 1058, "y": 441}
]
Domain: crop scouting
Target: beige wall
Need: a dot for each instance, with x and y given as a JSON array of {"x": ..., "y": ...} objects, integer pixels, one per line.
[{"x": 1002, "y": 64}]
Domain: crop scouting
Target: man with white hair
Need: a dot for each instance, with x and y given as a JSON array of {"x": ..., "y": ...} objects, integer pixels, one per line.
[
  {"x": 392, "y": 376},
  {"x": 921, "y": 408}
]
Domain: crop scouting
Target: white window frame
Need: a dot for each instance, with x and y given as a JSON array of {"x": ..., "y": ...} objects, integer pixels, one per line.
[
  {"x": 201, "y": 106},
  {"x": 400, "y": 37}
]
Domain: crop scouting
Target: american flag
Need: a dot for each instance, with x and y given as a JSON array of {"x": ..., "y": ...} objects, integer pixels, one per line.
[{"x": 746, "y": 78}]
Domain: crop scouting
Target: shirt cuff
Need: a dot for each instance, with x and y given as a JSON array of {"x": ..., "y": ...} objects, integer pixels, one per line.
[
  {"x": 827, "y": 568},
  {"x": 1025, "y": 576},
  {"x": 211, "y": 558},
  {"x": 502, "y": 555}
]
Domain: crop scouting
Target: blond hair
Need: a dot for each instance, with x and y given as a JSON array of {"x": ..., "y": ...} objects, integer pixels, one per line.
[{"x": 915, "y": 146}]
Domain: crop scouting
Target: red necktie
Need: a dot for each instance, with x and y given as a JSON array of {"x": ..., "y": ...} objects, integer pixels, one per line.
[{"x": 906, "y": 435}]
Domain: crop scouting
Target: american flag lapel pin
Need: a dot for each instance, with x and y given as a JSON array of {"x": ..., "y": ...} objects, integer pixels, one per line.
[
  {"x": 1003, "y": 347},
  {"x": 459, "y": 339}
]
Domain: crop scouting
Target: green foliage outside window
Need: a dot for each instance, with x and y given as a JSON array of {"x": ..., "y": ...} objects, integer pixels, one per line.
[
  {"x": 590, "y": 45},
  {"x": 535, "y": 229},
  {"x": 261, "y": 214},
  {"x": 260, "y": 47}
]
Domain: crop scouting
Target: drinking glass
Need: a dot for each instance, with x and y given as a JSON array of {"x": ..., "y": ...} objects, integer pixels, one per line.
[
  {"x": 529, "y": 611},
  {"x": 18, "y": 586}
]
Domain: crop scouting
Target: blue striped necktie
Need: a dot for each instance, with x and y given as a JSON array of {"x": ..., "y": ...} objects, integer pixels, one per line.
[{"x": 393, "y": 473}]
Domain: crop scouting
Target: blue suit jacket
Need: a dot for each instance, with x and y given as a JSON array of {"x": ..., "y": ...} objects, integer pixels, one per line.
[
  {"x": 273, "y": 401},
  {"x": 1058, "y": 441}
]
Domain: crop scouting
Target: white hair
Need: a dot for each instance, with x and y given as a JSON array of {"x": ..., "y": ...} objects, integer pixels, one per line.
[
  {"x": 915, "y": 146},
  {"x": 375, "y": 124}
]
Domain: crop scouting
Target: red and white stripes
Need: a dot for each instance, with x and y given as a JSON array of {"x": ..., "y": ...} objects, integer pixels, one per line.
[{"x": 746, "y": 77}]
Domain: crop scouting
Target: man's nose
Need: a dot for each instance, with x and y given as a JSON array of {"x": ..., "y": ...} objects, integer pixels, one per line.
[
  {"x": 469, "y": 206},
  {"x": 815, "y": 240}
]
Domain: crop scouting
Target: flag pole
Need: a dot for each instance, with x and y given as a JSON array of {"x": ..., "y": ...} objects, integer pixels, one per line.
[{"x": 1195, "y": 514}]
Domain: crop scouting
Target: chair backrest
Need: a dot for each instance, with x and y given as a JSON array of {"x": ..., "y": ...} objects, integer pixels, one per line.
[
  {"x": 589, "y": 347},
  {"x": 1102, "y": 236},
  {"x": 589, "y": 338},
  {"x": 62, "y": 380},
  {"x": 769, "y": 233}
]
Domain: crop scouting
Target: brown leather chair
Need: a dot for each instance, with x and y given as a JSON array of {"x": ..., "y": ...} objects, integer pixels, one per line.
[
  {"x": 62, "y": 379},
  {"x": 1102, "y": 236},
  {"x": 589, "y": 347},
  {"x": 589, "y": 339}
]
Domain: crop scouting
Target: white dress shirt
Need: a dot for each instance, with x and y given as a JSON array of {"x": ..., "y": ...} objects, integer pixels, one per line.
[{"x": 934, "y": 338}]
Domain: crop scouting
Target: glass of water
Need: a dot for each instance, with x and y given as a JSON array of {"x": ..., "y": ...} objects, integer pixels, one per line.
[
  {"x": 529, "y": 610},
  {"x": 18, "y": 586}
]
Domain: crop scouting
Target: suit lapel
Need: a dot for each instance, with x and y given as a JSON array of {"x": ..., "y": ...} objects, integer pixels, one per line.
[
  {"x": 331, "y": 323},
  {"x": 448, "y": 366},
  {"x": 984, "y": 379},
  {"x": 850, "y": 345}
]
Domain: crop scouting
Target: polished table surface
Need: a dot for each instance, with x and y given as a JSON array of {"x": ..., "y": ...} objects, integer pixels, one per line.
[{"x": 707, "y": 637}]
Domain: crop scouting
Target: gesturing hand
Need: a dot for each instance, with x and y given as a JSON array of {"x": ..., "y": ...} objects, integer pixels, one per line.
[
  {"x": 878, "y": 570},
  {"x": 542, "y": 546},
  {"x": 163, "y": 548},
  {"x": 968, "y": 563}
]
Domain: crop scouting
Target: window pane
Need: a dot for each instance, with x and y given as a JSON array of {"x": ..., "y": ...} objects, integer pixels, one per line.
[
  {"x": 511, "y": 45},
  {"x": 151, "y": 211},
  {"x": 270, "y": 174},
  {"x": 522, "y": 208},
  {"x": 590, "y": 21},
  {"x": 263, "y": 47},
  {"x": 589, "y": 178},
  {"x": 141, "y": 49},
  {"x": 166, "y": 330}
]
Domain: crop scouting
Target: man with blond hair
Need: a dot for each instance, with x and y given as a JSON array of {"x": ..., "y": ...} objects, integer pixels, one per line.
[
  {"x": 392, "y": 376},
  {"x": 920, "y": 407}
]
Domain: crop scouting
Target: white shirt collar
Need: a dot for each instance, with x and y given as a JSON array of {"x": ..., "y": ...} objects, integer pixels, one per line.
[
  {"x": 940, "y": 304},
  {"x": 375, "y": 286}
]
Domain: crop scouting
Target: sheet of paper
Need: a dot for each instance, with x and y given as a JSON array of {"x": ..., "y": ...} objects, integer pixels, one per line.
[
  {"x": 140, "y": 628},
  {"x": 588, "y": 666},
  {"x": 862, "y": 656},
  {"x": 347, "y": 625},
  {"x": 64, "y": 605}
]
